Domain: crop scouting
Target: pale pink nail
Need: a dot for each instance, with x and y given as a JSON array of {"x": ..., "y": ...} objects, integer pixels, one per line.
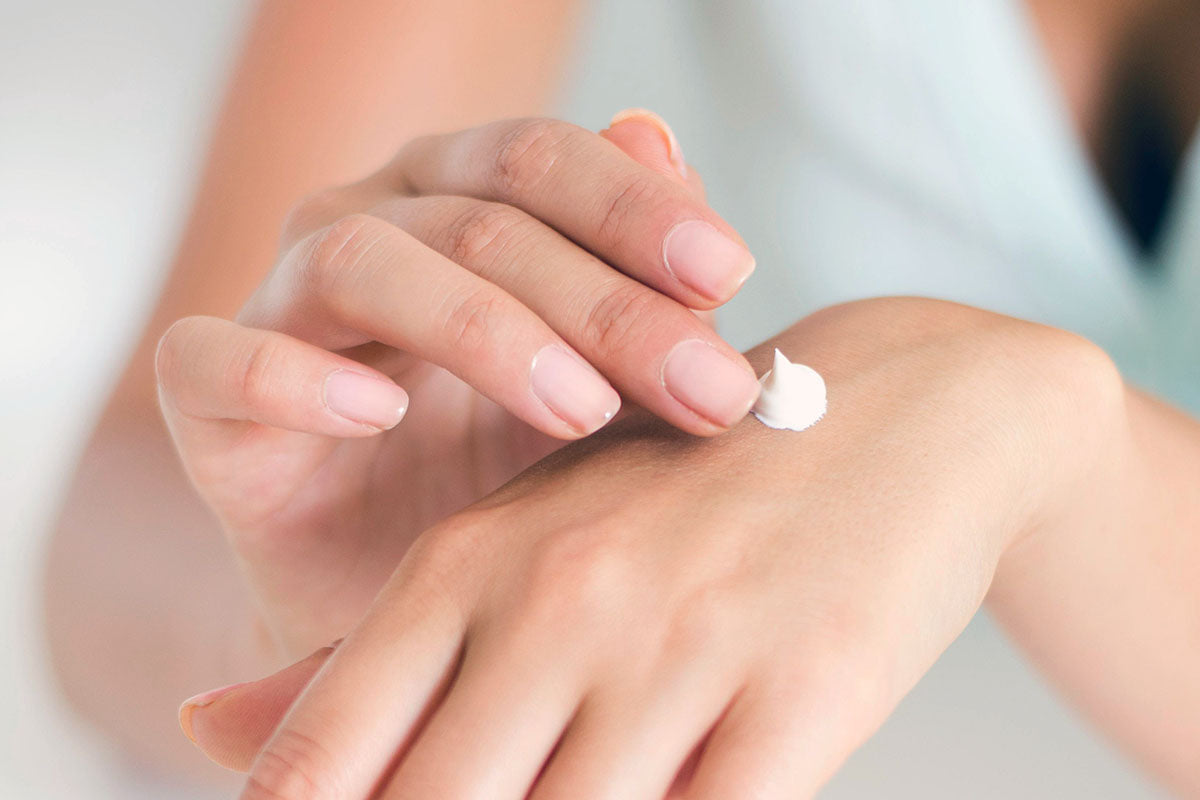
[
  {"x": 574, "y": 391},
  {"x": 705, "y": 259},
  {"x": 709, "y": 383},
  {"x": 364, "y": 399}
]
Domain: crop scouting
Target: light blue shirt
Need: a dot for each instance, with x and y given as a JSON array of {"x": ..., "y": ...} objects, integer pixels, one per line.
[{"x": 872, "y": 147}]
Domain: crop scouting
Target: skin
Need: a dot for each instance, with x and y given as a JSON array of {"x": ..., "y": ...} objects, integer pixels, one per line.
[
  {"x": 160, "y": 545},
  {"x": 1092, "y": 46},
  {"x": 346, "y": 89},
  {"x": 672, "y": 594},
  {"x": 453, "y": 296}
]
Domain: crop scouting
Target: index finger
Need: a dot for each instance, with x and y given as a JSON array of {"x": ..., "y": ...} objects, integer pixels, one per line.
[{"x": 642, "y": 222}]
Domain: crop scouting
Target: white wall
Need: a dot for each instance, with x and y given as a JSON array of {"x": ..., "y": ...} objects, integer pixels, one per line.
[{"x": 103, "y": 108}]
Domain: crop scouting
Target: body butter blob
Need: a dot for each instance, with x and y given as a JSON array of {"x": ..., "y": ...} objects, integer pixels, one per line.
[{"x": 793, "y": 396}]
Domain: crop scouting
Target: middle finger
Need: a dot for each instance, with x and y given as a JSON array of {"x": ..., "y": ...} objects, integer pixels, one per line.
[
  {"x": 646, "y": 224},
  {"x": 653, "y": 349}
]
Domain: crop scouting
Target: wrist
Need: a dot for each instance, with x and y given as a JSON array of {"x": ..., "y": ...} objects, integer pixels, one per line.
[
  {"x": 1018, "y": 425},
  {"x": 1087, "y": 460},
  {"x": 1043, "y": 409}
]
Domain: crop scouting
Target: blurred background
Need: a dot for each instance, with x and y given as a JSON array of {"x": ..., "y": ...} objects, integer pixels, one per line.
[{"x": 104, "y": 113}]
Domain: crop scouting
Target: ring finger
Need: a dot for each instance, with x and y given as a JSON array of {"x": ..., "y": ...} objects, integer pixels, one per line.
[
  {"x": 651, "y": 347},
  {"x": 630, "y": 739},
  {"x": 362, "y": 279}
]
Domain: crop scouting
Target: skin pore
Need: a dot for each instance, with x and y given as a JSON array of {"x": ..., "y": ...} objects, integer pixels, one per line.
[{"x": 346, "y": 89}]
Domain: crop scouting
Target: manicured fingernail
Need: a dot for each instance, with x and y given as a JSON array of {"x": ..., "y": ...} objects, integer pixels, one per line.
[
  {"x": 574, "y": 391},
  {"x": 364, "y": 399},
  {"x": 706, "y": 260},
  {"x": 715, "y": 387},
  {"x": 189, "y": 706},
  {"x": 674, "y": 153}
]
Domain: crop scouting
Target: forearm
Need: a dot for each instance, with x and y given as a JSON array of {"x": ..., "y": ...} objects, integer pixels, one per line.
[
  {"x": 144, "y": 603},
  {"x": 1108, "y": 605},
  {"x": 849, "y": 556},
  {"x": 324, "y": 94},
  {"x": 1100, "y": 581}
]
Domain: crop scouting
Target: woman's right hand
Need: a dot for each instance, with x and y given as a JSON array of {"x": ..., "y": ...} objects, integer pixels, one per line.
[{"x": 513, "y": 278}]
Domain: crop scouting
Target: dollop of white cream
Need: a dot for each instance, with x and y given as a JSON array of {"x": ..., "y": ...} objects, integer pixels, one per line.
[{"x": 793, "y": 396}]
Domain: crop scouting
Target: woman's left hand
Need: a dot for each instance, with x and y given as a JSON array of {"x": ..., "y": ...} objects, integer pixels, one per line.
[{"x": 646, "y": 612}]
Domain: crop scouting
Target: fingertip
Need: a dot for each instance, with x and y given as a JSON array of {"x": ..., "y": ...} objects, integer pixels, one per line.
[
  {"x": 192, "y": 716},
  {"x": 231, "y": 724},
  {"x": 716, "y": 386},
  {"x": 573, "y": 391},
  {"x": 185, "y": 721},
  {"x": 648, "y": 139},
  {"x": 376, "y": 403},
  {"x": 703, "y": 427},
  {"x": 709, "y": 262},
  {"x": 191, "y": 720}
]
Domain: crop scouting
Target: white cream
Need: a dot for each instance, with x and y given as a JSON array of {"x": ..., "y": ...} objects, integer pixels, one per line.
[{"x": 793, "y": 396}]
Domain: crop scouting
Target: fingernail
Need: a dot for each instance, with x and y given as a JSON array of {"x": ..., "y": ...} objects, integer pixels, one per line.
[
  {"x": 674, "y": 153},
  {"x": 706, "y": 260},
  {"x": 715, "y": 387},
  {"x": 574, "y": 391},
  {"x": 189, "y": 706},
  {"x": 364, "y": 399}
]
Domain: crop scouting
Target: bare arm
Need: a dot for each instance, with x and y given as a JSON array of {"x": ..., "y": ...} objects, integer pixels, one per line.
[
  {"x": 1109, "y": 608},
  {"x": 956, "y": 440},
  {"x": 143, "y": 603}
]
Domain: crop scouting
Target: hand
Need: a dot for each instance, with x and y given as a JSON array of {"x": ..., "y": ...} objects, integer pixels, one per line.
[
  {"x": 730, "y": 617},
  {"x": 489, "y": 271}
]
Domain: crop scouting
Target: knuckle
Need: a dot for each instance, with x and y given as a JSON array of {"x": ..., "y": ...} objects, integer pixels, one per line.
[
  {"x": 620, "y": 212},
  {"x": 859, "y": 678},
  {"x": 621, "y": 318},
  {"x": 841, "y": 626},
  {"x": 438, "y": 563},
  {"x": 294, "y": 767},
  {"x": 251, "y": 374},
  {"x": 481, "y": 234},
  {"x": 1088, "y": 382},
  {"x": 446, "y": 548},
  {"x": 398, "y": 170},
  {"x": 582, "y": 574},
  {"x": 527, "y": 153},
  {"x": 837, "y": 646},
  {"x": 468, "y": 323},
  {"x": 337, "y": 251},
  {"x": 702, "y": 619}
]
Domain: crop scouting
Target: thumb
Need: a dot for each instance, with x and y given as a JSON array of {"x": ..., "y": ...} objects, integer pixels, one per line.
[
  {"x": 230, "y": 725},
  {"x": 646, "y": 138}
]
